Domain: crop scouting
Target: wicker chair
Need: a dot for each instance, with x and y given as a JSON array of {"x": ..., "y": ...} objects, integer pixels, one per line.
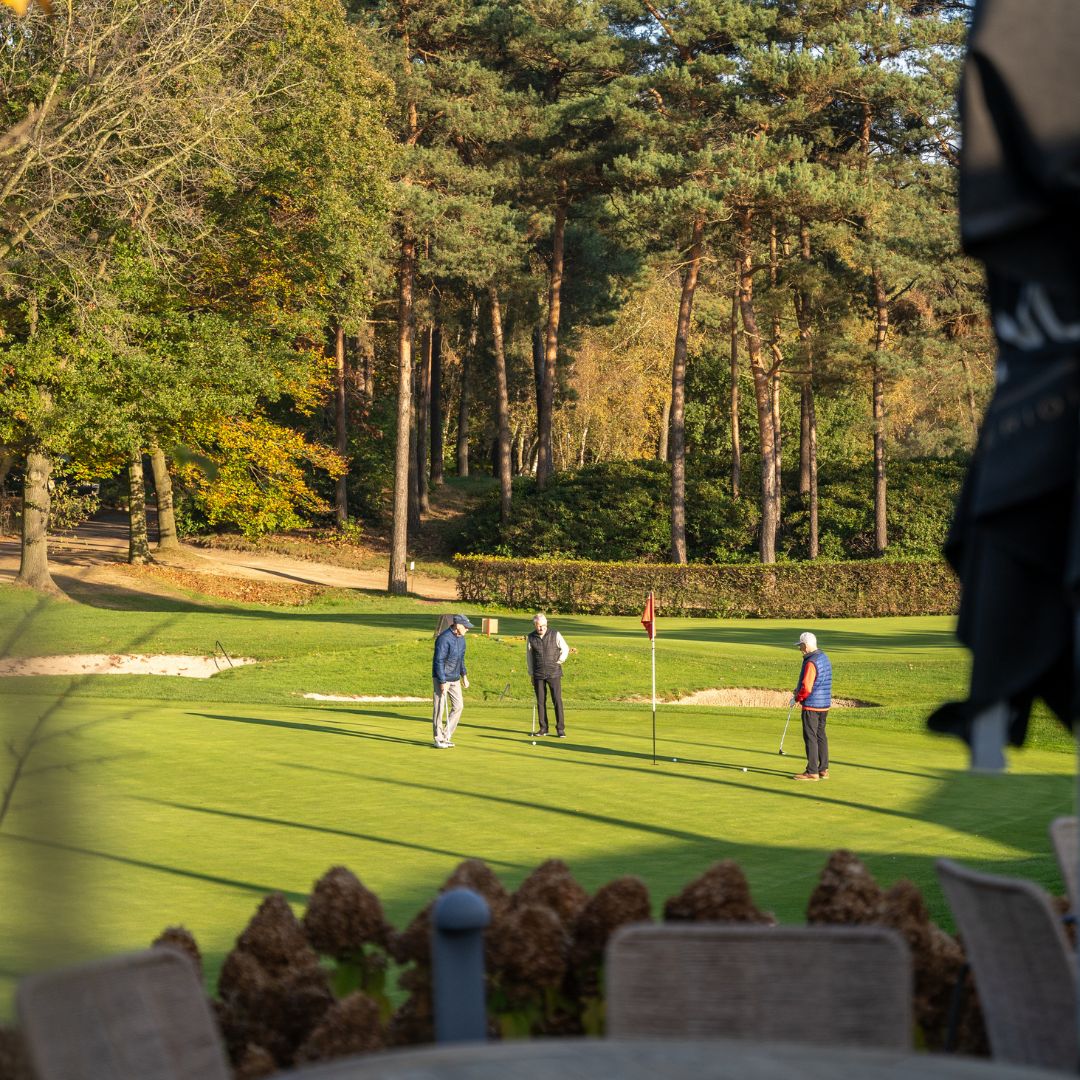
[
  {"x": 1023, "y": 967},
  {"x": 1065, "y": 836},
  {"x": 142, "y": 1016},
  {"x": 839, "y": 985}
]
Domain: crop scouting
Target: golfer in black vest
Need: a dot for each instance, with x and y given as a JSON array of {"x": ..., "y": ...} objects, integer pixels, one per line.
[{"x": 545, "y": 651}]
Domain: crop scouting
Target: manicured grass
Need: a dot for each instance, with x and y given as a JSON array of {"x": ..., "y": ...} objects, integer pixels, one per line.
[{"x": 162, "y": 801}]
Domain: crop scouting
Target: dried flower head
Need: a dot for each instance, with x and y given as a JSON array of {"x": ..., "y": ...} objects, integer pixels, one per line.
[
  {"x": 529, "y": 949},
  {"x": 721, "y": 894},
  {"x": 255, "y": 1063},
  {"x": 624, "y": 900},
  {"x": 351, "y": 1026},
  {"x": 846, "y": 893},
  {"x": 275, "y": 938},
  {"x": 552, "y": 885},
  {"x": 414, "y": 942},
  {"x": 412, "y": 1024},
  {"x": 181, "y": 940},
  {"x": 343, "y": 916},
  {"x": 477, "y": 875}
]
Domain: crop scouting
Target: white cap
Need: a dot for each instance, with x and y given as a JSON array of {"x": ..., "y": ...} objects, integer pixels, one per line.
[{"x": 809, "y": 641}]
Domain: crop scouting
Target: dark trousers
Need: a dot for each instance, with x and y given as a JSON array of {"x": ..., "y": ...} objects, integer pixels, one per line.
[
  {"x": 817, "y": 743},
  {"x": 555, "y": 686}
]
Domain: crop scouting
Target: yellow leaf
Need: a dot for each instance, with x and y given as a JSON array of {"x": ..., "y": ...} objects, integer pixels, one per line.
[{"x": 20, "y": 6}]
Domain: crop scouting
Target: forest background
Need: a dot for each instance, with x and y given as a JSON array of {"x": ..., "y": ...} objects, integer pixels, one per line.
[{"x": 683, "y": 278}]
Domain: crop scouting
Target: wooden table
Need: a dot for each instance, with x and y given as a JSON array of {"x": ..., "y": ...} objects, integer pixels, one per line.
[{"x": 656, "y": 1059}]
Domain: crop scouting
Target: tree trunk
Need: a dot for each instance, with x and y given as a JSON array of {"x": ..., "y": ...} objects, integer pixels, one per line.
[
  {"x": 972, "y": 407},
  {"x": 34, "y": 556},
  {"x": 367, "y": 353},
  {"x": 398, "y": 577},
  {"x": 545, "y": 465},
  {"x": 138, "y": 541},
  {"x": 436, "y": 441},
  {"x": 807, "y": 412},
  {"x": 6, "y": 461},
  {"x": 678, "y": 393},
  {"x": 463, "y": 399},
  {"x": 762, "y": 390},
  {"x": 423, "y": 421},
  {"x": 777, "y": 359},
  {"x": 414, "y": 473},
  {"x": 663, "y": 452},
  {"x": 736, "y": 440},
  {"x": 881, "y": 330},
  {"x": 502, "y": 409},
  {"x": 166, "y": 514},
  {"x": 341, "y": 498}
]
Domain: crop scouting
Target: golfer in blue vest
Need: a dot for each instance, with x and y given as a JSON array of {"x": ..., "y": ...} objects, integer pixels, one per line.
[
  {"x": 448, "y": 678},
  {"x": 814, "y": 693}
]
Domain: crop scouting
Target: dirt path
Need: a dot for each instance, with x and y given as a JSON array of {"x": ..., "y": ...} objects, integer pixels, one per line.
[{"x": 98, "y": 552}]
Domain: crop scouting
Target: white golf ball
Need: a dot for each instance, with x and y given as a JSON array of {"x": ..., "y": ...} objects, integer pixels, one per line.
[
  {"x": 744, "y": 768},
  {"x": 674, "y": 759},
  {"x": 534, "y": 742}
]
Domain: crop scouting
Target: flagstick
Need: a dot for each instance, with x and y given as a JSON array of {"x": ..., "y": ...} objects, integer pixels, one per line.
[{"x": 653, "y": 640}]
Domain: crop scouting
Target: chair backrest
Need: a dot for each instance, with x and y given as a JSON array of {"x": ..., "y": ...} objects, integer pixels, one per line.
[
  {"x": 141, "y": 1016},
  {"x": 842, "y": 985},
  {"x": 1023, "y": 967},
  {"x": 1065, "y": 836}
]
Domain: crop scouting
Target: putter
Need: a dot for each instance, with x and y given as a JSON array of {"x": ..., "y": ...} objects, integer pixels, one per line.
[
  {"x": 532, "y": 730},
  {"x": 784, "y": 736}
]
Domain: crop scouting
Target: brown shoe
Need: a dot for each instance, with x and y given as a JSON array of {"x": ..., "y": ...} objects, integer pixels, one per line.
[
  {"x": 824, "y": 774},
  {"x": 806, "y": 776}
]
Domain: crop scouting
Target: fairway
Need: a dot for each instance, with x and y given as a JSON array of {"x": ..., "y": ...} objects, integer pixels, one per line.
[{"x": 160, "y": 801}]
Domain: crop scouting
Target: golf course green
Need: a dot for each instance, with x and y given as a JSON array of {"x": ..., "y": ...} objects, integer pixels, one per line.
[{"x": 135, "y": 802}]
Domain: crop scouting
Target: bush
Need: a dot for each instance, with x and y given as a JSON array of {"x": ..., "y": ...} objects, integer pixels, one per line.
[
  {"x": 864, "y": 589},
  {"x": 621, "y": 511}
]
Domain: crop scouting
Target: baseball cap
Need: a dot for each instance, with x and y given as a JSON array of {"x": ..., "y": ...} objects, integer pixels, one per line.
[
  {"x": 808, "y": 640},
  {"x": 463, "y": 620}
]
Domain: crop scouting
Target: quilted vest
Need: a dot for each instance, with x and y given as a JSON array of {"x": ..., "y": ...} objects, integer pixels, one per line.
[
  {"x": 545, "y": 655},
  {"x": 821, "y": 695}
]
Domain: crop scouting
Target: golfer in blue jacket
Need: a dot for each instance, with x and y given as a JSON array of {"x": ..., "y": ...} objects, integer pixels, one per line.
[{"x": 448, "y": 678}]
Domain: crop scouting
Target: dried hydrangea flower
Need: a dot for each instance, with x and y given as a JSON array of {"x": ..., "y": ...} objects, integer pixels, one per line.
[
  {"x": 351, "y": 1026},
  {"x": 721, "y": 894},
  {"x": 552, "y": 885},
  {"x": 846, "y": 893},
  {"x": 181, "y": 940},
  {"x": 343, "y": 916}
]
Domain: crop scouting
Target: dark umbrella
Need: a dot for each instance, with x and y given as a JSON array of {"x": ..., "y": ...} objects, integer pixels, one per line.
[{"x": 1015, "y": 539}]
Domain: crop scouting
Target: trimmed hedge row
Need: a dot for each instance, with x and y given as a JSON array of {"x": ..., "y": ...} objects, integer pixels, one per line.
[{"x": 781, "y": 591}]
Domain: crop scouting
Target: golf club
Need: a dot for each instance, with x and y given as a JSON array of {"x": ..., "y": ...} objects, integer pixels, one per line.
[
  {"x": 532, "y": 730},
  {"x": 784, "y": 736}
]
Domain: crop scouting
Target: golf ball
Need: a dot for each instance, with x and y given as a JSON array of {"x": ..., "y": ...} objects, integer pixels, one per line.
[
  {"x": 744, "y": 768},
  {"x": 674, "y": 759},
  {"x": 534, "y": 742}
]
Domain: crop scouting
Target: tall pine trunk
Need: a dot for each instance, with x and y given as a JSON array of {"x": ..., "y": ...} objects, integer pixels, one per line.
[
  {"x": 881, "y": 331},
  {"x": 777, "y": 361},
  {"x": 138, "y": 539},
  {"x": 341, "y": 498},
  {"x": 437, "y": 434},
  {"x": 398, "y": 576},
  {"x": 366, "y": 342},
  {"x": 762, "y": 390},
  {"x": 463, "y": 398},
  {"x": 502, "y": 409},
  {"x": 545, "y": 465},
  {"x": 414, "y": 475},
  {"x": 423, "y": 421},
  {"x": 807, "y": 412},
  {"x": 663, "y": 450},
  {"x": 34, "y": 554},
  {"x": 736, "y": 439},
  {"x": 678, "y": 392},
  {"x": 166, "y": 513}
]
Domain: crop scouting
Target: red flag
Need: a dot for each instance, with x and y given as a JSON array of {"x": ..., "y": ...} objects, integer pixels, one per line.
[{"x": 648, "y": 618}]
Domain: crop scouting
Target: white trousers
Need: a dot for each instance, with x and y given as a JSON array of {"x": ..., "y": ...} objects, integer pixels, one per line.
[{"x": 456, "y": 703}]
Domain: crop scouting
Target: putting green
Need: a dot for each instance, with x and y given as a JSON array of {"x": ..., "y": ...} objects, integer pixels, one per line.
[{"x": 147, "y": 801}]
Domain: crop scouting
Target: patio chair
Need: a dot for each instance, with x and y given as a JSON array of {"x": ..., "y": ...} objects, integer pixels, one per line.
[
  {"x": 838, "y": 985},
  {"x": 1023, "y": 967},
  {"x": 141, "y": 1016},
  {"x": 1065, "y": 836}
]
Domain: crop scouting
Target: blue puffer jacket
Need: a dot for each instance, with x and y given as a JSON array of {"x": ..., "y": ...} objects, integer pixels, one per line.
[
  {"x": 820, "y": 696},
  {"x": 448, "y": 663}
]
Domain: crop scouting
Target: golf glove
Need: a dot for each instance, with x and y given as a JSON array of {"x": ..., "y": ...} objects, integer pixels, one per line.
[{"x": 791, "y": 703}]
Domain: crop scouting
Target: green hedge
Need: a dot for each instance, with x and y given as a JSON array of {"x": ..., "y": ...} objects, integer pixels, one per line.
[{"x": 817, "y": 589}]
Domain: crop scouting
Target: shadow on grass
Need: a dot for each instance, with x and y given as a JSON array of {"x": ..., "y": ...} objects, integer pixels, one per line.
[
  {"x": 322, "y": 729},
  {"x": 369, "y": 838},
  {"x": 161, "y": 868}
]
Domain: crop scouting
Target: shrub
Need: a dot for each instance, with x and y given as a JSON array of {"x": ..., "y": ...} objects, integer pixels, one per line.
[{"x": 817, "y": 589}]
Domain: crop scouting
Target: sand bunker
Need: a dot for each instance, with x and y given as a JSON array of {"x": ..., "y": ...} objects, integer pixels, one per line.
[
  {"x": 756, "y": 699},
  {"x": 362, "y": 697},
  {"x": 190, "y": 667}
]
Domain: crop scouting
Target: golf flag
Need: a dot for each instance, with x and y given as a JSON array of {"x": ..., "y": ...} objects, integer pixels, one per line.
[{"x": 648, "y": 617}]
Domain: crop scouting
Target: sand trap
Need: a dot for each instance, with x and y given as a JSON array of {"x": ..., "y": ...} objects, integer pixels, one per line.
[
  {"x": 361, "y": 697},
  {"x": 756, "y": 699},
  {"x": 190, "y": 667}
]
